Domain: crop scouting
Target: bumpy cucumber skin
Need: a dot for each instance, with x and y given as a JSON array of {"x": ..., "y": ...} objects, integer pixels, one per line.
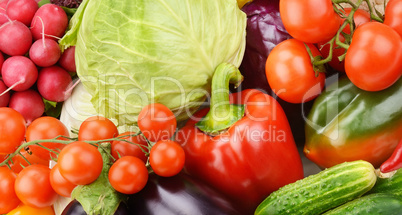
[
  {"x": 325, "y": 190},
  {"x": 391, "y": 185},
  {"x": 375, "y": 203}
]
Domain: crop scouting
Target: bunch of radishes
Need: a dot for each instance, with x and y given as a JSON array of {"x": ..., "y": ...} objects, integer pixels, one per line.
[{"x": 33, "y": 67}]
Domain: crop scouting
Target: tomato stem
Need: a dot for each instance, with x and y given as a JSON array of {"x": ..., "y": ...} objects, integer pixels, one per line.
[{"x": 96, "y": 143}]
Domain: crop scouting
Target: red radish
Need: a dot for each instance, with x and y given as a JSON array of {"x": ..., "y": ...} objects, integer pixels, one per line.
[
  {"x": 54, "y": 83},
  {"x": 28, "y": 103},
  {"x": 15, "y": 38},
  {"x": 22, "y": 10},
  {"x": 4, "y": 98},
  {"x": 3, "y": 15},
  {"x": 19, "y": 73},
  {"x": 45, "y": 52},
  {"x": 67, "y": 59},
  {"x": 1, "y": 59},
  {"x": 51, "y": 20}
]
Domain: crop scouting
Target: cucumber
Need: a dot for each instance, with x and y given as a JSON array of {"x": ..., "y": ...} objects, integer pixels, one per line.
[
  {"x": 325, "y": 190},
  {"x": 389, "y": 184},
  {"x": 375, "y": 203}
]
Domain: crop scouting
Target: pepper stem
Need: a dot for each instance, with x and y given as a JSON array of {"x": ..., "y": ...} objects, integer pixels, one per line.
[{"x": 222, "y": 114}]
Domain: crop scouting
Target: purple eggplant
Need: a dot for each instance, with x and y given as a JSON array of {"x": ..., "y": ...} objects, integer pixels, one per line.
[{"x": 179, "y": 194}]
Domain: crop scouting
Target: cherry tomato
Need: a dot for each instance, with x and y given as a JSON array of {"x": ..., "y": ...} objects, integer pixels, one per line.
[
  {"x": 97, "y": 128},
  {"x": 80, "y": 163},
  {"x": 336, "y": 52},
  {"x": 19, "y": 161},
  {"x": 310, "y": 21},
  {"x": 290, "y": 73},
  {"x": 166, "y": 158},
  {"x": 26, "y": 210},
  {"x": 122, "y": 148},
  {"x": 8, "y": 198},
  {"x": 157, "y": 122},
  {"x": 393, "y": 15},
  {"x": 33, "y": 188},
  {"x": 360, "y": 17},
  {"x": 12, "y": 130},
  {"x": 46, "y": 127},
  {"x": 373, "y": 60},
  {"x": 128, "y": 175},
  {"x": 59, "y": 183}
]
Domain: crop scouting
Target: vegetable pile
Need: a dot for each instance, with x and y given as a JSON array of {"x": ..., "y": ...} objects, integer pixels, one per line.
[{"x": 200, "y": 107}]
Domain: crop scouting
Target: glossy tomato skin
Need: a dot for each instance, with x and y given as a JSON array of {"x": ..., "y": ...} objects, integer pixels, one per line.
[
  {"x": 166, "y": 158},
  {"x": 290, "y": 72},
  {"x": 97, "y": 128},
  {"x": 60, "y": 185},
  {"x": 33, "y": 188},
  {"x": 46, "y": 127},
  {"x": 12, "y": 130},
  {"x": 80, "y": 163},
  {"x": 8, "y": 198},
  {"x": 157, "y": 122},
  {"x": 128, "y": 175},
  {"x": 310, "y": 21},
  {"x": 393, "y": 15},
  {"x": 373, "y": 61}
]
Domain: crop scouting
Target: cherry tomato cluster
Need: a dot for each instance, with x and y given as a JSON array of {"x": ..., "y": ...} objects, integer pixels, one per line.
[
  {"x": 34, "y": 70},
  {"x": 365, "y": 46},
  {"x": 26, "y": 152}
]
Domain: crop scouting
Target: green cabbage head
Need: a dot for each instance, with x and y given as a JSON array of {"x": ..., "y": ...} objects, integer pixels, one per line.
[{"x": 130, "y": 53}]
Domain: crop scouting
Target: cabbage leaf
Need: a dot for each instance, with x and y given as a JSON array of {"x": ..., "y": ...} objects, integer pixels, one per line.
[{"x": 130, "y": 53}]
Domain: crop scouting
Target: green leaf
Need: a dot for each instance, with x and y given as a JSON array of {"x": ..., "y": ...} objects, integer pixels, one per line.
[
  {"x": 43, "y": 2},
  {"x": 52, "y": 108}
]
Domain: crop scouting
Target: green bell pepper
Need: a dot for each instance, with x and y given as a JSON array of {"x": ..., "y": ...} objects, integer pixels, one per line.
[{"x": 347, "y": 123}]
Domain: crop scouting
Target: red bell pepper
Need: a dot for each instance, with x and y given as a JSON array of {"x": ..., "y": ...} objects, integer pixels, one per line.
[
  {"x": 245, "y": 149},
  {"x": 395, "y": 161}
]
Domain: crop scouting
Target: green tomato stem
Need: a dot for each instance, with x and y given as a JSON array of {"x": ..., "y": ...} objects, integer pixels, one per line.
[{"x": 70, "y": 140}]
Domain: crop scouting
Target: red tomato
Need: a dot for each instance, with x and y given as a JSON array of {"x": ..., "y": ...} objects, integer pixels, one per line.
[
  {"x": 12, "y": 130},
  {"x": 122, "y": 148},
  {"x": 19, "y": 161},
  {"x": 166, "y": 158},
  {"x": 310, "y": 21},
  {"x": 157, "y": 122},
  {"x": 128, "y": 175},
  {"x": 373, "y": 61},
  {"x": 393, "y": 15},
  {"x": 360, "y": 17},
  {"x": 59, "y": 183},
  {"x": 33, "y": 186},
  {"x": 97, "y": 128},
  {"x": 46, "y": 127},
  {"x": 8, "y": 198},
  {"x": 80, "y": 163},
  {"x": 26, "y": 210},
  {"x": 290, "y": 73}
]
